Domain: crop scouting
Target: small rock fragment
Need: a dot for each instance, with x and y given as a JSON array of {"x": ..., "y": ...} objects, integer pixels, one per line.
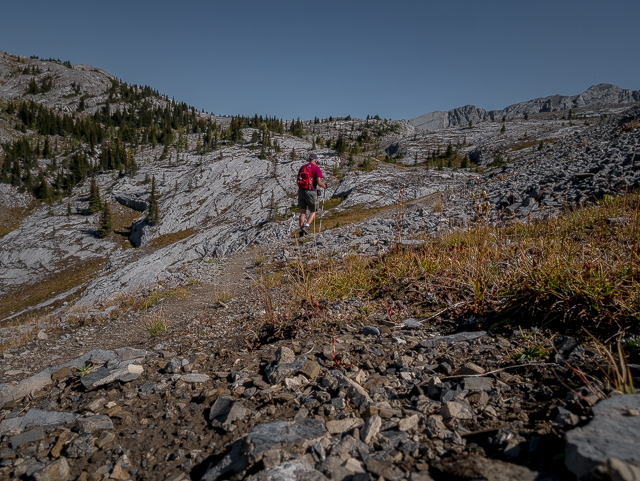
[
  {"x": 31, "y": 436},
  {"x": 64, "y": 438},
  {"x": 406, "y": 424},
  {"x": 56, "y": 471},
  {"x": 311, "y": 369},
  {"x": 284, "y": 355},
  {"x": 371, "y": 428},
  {"x": 343, "y": 425},
  {"x": 93, "y": 424},
  {"x": 477, "y": 384},
  {"x": 384, "y": 469},
  {"x": 469, "y": 369},
  {"x": 456, "y": 410},
  {"x": 105, "y": 438},
  {"x": 370, "y": 331},
  {"x": 195, "y": 378}
]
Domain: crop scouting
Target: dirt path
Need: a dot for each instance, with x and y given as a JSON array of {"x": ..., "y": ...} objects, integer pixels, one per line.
[{"x": 132, "y": 329}]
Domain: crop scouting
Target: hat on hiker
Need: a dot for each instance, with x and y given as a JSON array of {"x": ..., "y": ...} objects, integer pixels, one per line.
[{"x": 313, "y": 157}]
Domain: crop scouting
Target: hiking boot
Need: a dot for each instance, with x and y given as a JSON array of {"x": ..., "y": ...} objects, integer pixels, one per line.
[
  {"x": 305, "y": 229},
  {"x": 301, "y": 233}
]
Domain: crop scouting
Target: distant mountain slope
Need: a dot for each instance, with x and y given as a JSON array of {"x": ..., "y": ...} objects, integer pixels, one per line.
[{"x": 602, "y": 94}]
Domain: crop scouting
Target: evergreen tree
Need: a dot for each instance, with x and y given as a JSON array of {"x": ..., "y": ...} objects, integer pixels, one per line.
[
  {"x": 104, "y": 228},
  {"x": 153, "y": 213},
  {"x": 449, "y": 152},
  {"x": 273, "y": 208},
  {"x": 43, "y": 191},
  {"x": 95, "y": 203}
]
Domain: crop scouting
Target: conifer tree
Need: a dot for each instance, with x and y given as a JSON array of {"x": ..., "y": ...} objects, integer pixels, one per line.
[
  {"x": 153, "y": 214},
  {"x": 104, "y": 228},
  {"x": 95, "y": 203}
]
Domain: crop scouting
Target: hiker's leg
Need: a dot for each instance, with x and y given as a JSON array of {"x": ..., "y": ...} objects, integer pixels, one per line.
[
  {"x": 302, "y": 205},
  {"x": 312, "y": 215},
  {"x": 312, "y": 204}
]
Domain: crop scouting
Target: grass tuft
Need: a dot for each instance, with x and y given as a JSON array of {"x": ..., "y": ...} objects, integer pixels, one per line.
[{"x": 155, "y": 327}]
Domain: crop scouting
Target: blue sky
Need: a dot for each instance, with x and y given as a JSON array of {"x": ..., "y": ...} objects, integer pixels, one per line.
[{"x": 397, "y": 59}]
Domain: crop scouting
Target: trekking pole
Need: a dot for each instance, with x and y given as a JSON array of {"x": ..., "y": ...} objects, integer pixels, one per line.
[{"x": 322, "y": 211}]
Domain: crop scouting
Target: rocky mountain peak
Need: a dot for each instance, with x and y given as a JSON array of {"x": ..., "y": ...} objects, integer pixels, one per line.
[{"x": 596, "y": 95}]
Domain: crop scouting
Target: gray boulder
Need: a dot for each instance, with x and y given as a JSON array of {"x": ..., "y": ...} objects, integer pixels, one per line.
[
  {"x": 614, "y": 432},
  {"x": 287, "y": 438}
]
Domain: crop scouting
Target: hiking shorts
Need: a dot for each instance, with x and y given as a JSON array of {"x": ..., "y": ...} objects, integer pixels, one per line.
[{"x": 307, "y": 199}]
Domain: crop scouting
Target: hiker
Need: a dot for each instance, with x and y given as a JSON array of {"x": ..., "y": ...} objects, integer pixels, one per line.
[{"x": 309, "y": 177}]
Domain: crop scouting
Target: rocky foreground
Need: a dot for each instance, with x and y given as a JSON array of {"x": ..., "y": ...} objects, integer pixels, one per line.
[{"x": 352, "y": 396}]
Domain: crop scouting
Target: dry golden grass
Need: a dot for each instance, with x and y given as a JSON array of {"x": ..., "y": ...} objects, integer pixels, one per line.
[
  {"x": 57, "y": 283},
  {"x": 332, "y": 203},
  {"x": 10, "y": 219},
  {"x": 349, "y": 216},
  {"x": 168, "y": 239},
  {"x": 581, "y": 267},
  {"x": 121, "y": 219}
]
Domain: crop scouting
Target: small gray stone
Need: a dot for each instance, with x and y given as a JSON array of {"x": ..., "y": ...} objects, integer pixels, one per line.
[
  {"x": 128, "y": 353},
  {"x": 173, "y": 366},
  {"x": 288, "y": 437},
  {"x": 93, "y": 424},
  {"x": 31, "y": 436},
  {"x": 411, "y": 324},
  {"x": 565, "y": 419},
  {"x": 195, "y": 378},
  {"x": 147, "y": 387},
  {"x": 225, "y": 411},
  {"x": 81, "y": 446},
  {"x": 452, "y": 339},
  {"x": 370, "y": 331},
  {"x": 277, "y": 372},
  {"x": 284, "y": 355},
  {"x": 478, "y": 384}
]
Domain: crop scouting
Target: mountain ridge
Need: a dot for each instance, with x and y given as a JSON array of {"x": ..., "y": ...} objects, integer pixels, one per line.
[{"x": 596, "y": 95}]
